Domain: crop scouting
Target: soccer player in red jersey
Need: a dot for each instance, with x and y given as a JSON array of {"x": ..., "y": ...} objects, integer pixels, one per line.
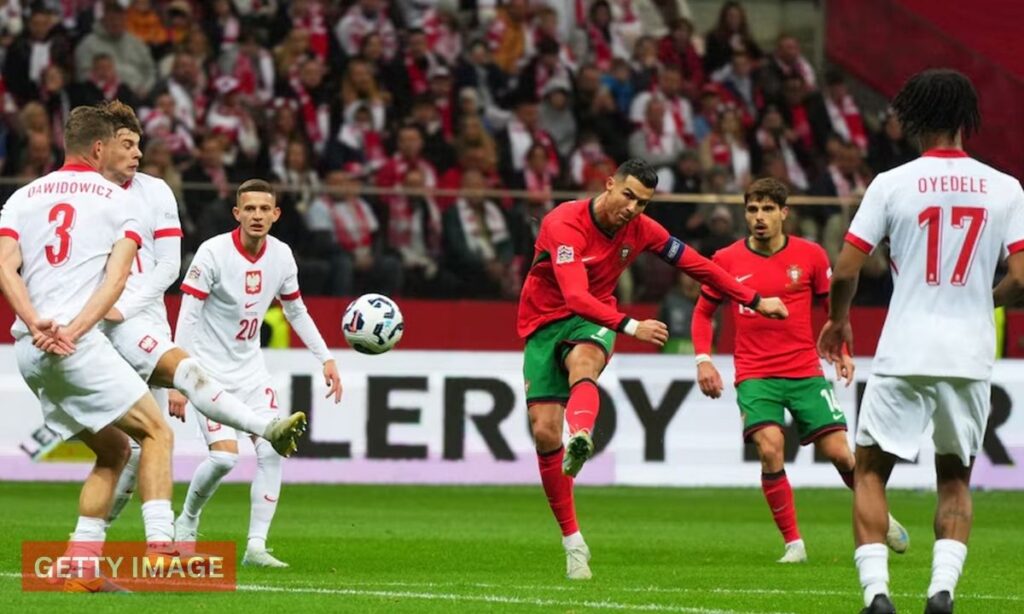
[
  {"x": 568, "y": 317},
  {"x": 777, "y": 364}
]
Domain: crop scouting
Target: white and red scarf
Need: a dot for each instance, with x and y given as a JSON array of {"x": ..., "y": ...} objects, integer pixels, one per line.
[
  {"x": 354, "y": 223},
  {"x": 847, "y": 122}
]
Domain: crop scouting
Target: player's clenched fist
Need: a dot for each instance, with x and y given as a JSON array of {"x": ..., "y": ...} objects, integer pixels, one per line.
[
  {"x": 652, "y": 331},
  {"x": 176, "y": 404},
  {"x": 772, "y": 307},
  {"x": 709, "y": 380}
]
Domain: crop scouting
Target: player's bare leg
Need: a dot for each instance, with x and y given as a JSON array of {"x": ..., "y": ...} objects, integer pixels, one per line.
[
  {"x": 953, "y": 517},
  {"x": 584, "y": 363},
  {"x": 111, "y": 448},
  {"x": 836, "y": 449},
  {"x": 771, "y": 443},
  {"x": 208, "y": 476},
  {"x": 176, "y": 369},
  {"x": 144, "y": 423},
  {"x": 546, "y": 425},
  {"x": 263, "y": 497},
  {"x": 870, "y": 525}
]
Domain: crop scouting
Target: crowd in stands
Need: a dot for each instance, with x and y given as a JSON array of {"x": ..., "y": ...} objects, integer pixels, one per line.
[{"x": 537, "y": 95}]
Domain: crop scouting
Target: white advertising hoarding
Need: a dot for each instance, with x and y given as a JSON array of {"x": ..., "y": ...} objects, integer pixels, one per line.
[{"x": 460, "y": 417}]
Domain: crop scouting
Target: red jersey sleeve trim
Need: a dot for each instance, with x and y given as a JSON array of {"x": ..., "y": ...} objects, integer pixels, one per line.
[
  {"x": 196, "y": 292},
  {"x": 165, "y": 233},
  {"x": 9, "y": 232},
  {"x": 859, "y": 243},
  {"x": 291, "y": 296},
  {"x": 134, "y": 236},
  {"x": 1013, "y": 248}
]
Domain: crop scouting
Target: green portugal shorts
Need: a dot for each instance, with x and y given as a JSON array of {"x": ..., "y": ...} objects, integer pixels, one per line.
[
  {"x": 544, "y": 372},
  {"x": 811, "y": 401}
]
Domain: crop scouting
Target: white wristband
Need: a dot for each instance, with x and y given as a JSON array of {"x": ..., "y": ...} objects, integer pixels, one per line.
[
  {"x": 630, "y": 327},
  {"x": 701, "y": 358}
]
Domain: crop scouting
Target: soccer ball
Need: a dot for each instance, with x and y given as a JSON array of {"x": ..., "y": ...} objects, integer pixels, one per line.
[{"x": 372, "y": 324}]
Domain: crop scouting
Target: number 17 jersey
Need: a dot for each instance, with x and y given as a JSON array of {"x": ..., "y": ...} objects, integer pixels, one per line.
[{"x": 948, "y": 219}]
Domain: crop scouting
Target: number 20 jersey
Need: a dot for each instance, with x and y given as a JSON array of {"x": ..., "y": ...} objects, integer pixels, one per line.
[
  {"x": 237, "y": 289},
  {"x": 948, "y": 219},
  {"x": 66, "y": 223}
]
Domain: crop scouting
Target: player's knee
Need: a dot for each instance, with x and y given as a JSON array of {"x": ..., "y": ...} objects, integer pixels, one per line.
[
  {"x": 771, "y": 447},
  {"x": 547, "y": 436},
  {"x": 266, "y": 455},
  {"x": 222, "y": 461},
  {"x": 159, "y": 433},
  {"x": 114, "y": 455}
]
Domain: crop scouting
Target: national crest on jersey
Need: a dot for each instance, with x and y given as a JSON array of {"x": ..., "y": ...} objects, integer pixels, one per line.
[
  {"x": 794, "y": 273},
  {"x": 253, "y": 282},
  {"x": 624, "y": 252}
]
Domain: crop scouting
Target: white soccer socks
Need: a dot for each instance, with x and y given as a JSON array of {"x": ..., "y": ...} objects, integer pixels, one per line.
[
  {"x": 947, "y": 563},
  {"x": 263, "y": 496},
  {"x": 873, "y": 566},
  {"x": 158, "y": 520},
  {"x": 206, "y": 480},
  {"x": 125, "y": 483}
]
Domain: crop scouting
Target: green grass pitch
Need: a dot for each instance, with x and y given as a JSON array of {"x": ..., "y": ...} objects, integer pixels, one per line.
[{"x": 496, "y": 549}]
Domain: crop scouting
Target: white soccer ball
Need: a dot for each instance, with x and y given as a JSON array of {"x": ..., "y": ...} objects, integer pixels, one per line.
[{"x": 372, "y": 324}]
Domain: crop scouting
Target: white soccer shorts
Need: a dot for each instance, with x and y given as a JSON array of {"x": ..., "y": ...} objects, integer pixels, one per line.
[
  {"x": 90, "y": 389},
  {"x": 263, "y": 400},
  {"x": 141, "y": 340},
  {"x": 896, "y": 410}
]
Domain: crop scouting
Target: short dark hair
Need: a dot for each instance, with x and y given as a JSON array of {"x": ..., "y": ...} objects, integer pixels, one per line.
[
  {"x": 937, "y": 101},
  {"x": 635, "y": 167},
  {"x": 767, "y": 189},
  {"x": 85, "y": 126},
  {"x": 256, "y": 185},
  {"x": 123, "y": 116}
]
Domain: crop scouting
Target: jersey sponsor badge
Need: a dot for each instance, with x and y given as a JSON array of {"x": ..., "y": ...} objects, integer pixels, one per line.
[
  {"x": 253, "y": 282},
  {"x": 565, "y": 254},
  {"x": 194, "y": 273}
]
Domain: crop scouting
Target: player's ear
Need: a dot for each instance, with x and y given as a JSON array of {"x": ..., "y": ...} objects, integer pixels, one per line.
[
  {"x": 237, "y": 213},
  {"x": 609, "y": 183},
  {"x": 277, "y": 212},
  {"x": 785, "y": 212}
]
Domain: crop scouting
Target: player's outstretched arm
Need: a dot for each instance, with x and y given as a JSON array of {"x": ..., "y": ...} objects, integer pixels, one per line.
[
  {"x": 118, "y": 268},
  {"x": 1009, "y": 292},
  {"x": 298, "y": 316},
  {"x": 571, "y": 276},
  {"x": 837, "y": 332},
  {"x": 709, "y": 273},
  {"x": 702, "y": 332}
]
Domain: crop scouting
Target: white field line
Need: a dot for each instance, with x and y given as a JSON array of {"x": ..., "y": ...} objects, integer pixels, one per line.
[
  {"x": 366, "y": 589},
  {"x": 456, "y": 597},
  {"x": 680, "y": 590}
]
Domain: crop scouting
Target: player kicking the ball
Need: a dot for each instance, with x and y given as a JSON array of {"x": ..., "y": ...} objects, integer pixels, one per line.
[
  {"x": 568, "y": 317},
  {"x": 948, "y": 220},
  {"x": 777, "y": 364},
  {"x": 137, "y": 325},
  {"x": 233, "y": 279},
  {"x": 74, "y": 235}
]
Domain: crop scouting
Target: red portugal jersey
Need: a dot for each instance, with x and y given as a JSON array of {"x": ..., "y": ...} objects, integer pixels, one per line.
[
  {"x": 797, "y": 273},
  {"x": 569, "y": 236}
]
